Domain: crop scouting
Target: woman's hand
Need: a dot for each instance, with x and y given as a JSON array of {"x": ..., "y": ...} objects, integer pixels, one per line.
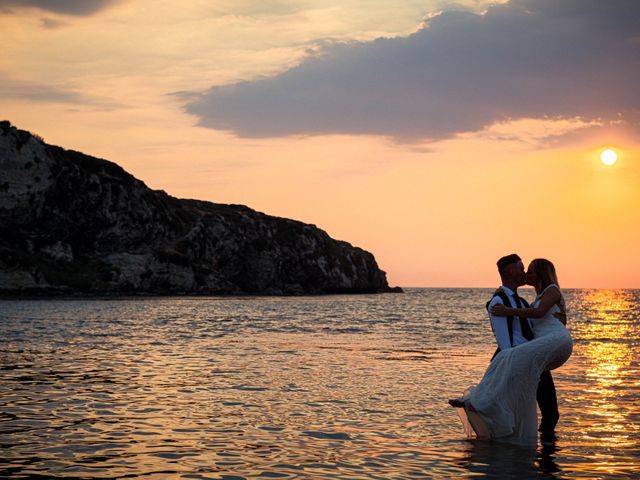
[
  {"x": 562, "y": 314},
  {"x": 499, "y": 310}
]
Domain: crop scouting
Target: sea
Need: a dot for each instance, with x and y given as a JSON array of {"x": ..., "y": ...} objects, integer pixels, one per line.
[{"x": 308, "y": 387}]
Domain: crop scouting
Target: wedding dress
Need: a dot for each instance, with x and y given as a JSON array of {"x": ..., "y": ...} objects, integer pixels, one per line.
[{"x": 503, "y": 404}]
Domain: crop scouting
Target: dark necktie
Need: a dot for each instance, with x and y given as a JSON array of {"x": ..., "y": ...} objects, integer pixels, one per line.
[{"x": 524, "y": 323}]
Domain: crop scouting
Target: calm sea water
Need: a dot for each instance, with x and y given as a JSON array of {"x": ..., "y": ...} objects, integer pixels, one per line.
[{"x": 301, "y": 387}]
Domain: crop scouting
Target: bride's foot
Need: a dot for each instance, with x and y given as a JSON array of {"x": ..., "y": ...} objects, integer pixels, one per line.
[{"x": 460, "y": 403}]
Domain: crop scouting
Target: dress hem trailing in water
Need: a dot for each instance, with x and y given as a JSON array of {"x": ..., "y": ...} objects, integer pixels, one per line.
[{"x": 475, "y": 428}]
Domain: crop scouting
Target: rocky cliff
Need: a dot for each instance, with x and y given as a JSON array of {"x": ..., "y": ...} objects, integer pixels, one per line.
[{"x": 71, "y": 223}]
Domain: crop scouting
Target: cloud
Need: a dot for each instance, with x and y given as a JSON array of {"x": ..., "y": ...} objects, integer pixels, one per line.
[
  {"x": 537, "y": 131},
  {"x": 37, "y": 93},
  {"x": 65, "y": 7},
  {"x": 252, "y": 8},
  {"x": 11, "y": 89},
  {"x": 577, "y": 59},
  {"x": 52, "y": 23}
]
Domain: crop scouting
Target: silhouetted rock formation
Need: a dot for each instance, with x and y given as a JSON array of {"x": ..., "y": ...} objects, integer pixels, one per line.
[{"x": 71, "y": 223}]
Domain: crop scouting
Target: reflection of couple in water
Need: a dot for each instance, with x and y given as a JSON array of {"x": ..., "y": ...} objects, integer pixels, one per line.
[
  {"x": 532, "y": 340},
  {"x": 489, "y": 460}
]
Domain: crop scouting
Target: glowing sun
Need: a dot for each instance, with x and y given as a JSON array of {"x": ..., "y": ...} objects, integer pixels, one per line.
[{"x": 608, "y": 156}]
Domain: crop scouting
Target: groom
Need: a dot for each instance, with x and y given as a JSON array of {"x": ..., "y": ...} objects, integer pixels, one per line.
[{"x": 511, "y": 331}]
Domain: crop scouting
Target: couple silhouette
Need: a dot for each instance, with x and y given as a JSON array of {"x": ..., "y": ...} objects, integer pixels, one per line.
[{"x": 532, "y": 341}]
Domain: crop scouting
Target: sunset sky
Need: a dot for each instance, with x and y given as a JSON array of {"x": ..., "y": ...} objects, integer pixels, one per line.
[{"x": 437, "y": 135}]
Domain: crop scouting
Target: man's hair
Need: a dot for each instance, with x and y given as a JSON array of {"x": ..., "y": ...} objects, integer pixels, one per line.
[{"x": 507, "y": 260}]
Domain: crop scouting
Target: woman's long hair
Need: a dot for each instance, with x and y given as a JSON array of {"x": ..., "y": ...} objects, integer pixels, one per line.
[{"x": 545, "y": 272}]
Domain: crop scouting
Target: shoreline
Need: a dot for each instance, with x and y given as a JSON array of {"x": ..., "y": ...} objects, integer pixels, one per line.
[{"x": 147, "y": 295}]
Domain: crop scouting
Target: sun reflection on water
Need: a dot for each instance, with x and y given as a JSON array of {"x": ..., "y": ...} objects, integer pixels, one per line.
[{"x": 607, "y": 346}]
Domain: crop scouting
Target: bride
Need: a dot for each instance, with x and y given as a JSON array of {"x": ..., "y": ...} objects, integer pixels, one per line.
[{"x": 503, "y": 404}]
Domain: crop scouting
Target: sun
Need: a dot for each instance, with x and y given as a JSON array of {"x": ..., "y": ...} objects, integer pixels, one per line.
[{"x": 608, "y": 156}]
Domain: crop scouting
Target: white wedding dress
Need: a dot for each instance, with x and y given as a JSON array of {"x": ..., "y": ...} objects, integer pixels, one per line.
[{"x": 505, "y": 399}]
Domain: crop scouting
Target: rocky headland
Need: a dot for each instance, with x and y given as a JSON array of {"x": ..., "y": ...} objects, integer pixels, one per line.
[{"x": 74, "y": 224}]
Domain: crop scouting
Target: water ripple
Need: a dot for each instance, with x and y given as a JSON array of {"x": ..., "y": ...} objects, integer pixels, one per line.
[{"x": 309, "y": 387}]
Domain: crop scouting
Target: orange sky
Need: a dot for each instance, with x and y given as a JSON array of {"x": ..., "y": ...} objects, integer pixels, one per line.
[{"x": 434, "y": 211}]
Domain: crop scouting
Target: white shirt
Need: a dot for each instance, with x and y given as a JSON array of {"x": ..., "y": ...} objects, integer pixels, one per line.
[{"x": 499, "y": 324}]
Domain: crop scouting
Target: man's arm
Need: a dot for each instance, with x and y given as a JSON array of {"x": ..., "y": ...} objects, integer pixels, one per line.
[
  {"x": 499, "y": 325},
  {"x": 549, "y": 298}
]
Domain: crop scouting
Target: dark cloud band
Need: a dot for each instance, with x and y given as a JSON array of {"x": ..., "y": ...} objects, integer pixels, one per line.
[
  {"x": 463, "y": 71},
  {"x": 11, "y": 89},
  {"x": 65, "y": 7}
]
